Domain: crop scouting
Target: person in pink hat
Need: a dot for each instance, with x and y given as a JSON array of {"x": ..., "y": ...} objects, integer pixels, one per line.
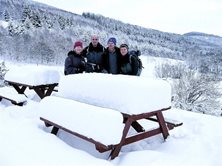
[{"x": 75, "y": 61}]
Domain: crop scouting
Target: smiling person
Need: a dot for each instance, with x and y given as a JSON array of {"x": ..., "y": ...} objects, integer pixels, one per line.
[
  {"x": 75, "y": 62},
  {"x": 111, "y": 57},
  {"x": 128, "y": 64},
  {"x": 93, "y": 54}
]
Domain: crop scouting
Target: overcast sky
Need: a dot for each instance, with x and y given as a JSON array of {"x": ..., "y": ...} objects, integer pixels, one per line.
[{"x": 177, "y": 16}]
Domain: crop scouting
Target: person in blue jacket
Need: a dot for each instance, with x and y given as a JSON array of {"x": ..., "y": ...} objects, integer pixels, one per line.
[{"x": 111, "y": 57}]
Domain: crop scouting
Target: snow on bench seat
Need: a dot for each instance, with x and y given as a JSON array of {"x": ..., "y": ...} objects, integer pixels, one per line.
[
  {"x": 10, "y": 94},
  {"x": 33, "y": 75},
  {"x": 101, "y": 124},
  {"x": 127, "y": 94}
]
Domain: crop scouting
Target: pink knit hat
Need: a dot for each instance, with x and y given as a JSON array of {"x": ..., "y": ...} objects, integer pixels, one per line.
[{"x": 78, "y": 43}]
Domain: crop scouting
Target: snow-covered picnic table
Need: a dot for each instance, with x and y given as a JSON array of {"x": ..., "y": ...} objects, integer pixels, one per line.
[
  {"x": 42, "y": 80},
  {"x": 85, "y": 100}
]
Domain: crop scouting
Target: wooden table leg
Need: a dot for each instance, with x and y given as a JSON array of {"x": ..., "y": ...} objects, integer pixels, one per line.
[
  {"x": 44, "y": 91},
  {"x": 49, "y": 90},
  {"x": 55, "y": 130},
  {"x": 39, "y": 92},
  {"x": 162, "y": 124},
  {"x": 18, "y": 89}
]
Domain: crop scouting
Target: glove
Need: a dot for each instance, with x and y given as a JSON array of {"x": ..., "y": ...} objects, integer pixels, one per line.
[
  {"x": 76, "y": 70},
  {"x": 83, "y": 64},
  {"x": 89, "y": 68},
  {"x": 104, "y": 71}
]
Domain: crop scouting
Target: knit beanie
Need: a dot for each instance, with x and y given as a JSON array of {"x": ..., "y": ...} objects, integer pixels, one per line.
[
  {"x": 124, "y": 45},
  {"x": 113, "y": 40},
  {"x": 78, "y": 43}
]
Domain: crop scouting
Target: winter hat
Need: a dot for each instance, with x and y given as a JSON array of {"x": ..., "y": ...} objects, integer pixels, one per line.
[
  {"x": 124, "y": 45},
  {"x": 78, "y": 43},
  {"x": 113, "y": 40}
]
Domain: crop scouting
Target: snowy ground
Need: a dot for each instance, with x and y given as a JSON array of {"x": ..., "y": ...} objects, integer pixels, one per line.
[{"x": 24, "y": 141}]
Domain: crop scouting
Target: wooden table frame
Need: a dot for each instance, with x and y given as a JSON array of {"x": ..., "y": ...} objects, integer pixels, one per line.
[
  {"x": 129, "y": 121},
  {"x": 41, "y": 90}
]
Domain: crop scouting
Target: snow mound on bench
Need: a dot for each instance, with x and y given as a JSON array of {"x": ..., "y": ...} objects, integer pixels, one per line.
[
  {"x": 101, "y": 124},
  {"x": 12, "y": 94},
  {"x": 127, "y": 94}
]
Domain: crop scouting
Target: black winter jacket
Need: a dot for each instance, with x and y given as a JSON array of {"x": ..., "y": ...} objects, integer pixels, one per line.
[
  {"x": 94, "y": 58},
  {"x": 74, "y": 63},
  {"x": 128, "y": 65}
]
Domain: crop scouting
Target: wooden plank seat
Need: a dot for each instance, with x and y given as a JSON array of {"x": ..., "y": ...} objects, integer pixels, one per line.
[
  {"x": 106, "y": 128},
  {"x": 171, "y": 124},
  {"x": 11, "y": 95}
]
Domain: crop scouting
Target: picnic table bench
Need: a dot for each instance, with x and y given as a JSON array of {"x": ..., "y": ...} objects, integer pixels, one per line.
[
  {"x": 11, "y": 95},
  {"x": 74, "y": 117},
  {"x": 88, "y": 114}
]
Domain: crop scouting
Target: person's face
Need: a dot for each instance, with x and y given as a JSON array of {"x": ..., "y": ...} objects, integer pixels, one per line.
[
  {"x": 78, "y": 49},
  {"x": 94, "y": 40},
  {"x": 111, "y": 46},
  {"x": 123, "y": 51}
]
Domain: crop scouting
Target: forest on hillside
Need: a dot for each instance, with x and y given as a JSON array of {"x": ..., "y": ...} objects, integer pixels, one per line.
[{"x": 37, "y": 33}]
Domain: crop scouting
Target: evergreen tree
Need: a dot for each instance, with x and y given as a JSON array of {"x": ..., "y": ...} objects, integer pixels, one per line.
[
  {"x": 35, "y": 19},
  {"x": 26, "y": 13},
  {"x": 3, "y": 71},
  {"x": 6, "y": 16}
]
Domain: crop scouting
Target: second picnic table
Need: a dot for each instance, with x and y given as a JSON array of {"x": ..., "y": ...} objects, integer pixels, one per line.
[
  {"x": 42, "y": 80},
  {"x": 41, "y": 90}
]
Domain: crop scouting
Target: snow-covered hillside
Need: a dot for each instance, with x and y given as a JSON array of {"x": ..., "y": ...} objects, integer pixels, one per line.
[{"x": 213, "y": 39}]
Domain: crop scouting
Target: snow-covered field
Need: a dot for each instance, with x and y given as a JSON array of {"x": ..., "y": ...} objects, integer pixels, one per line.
[{"x": 24, "y": 140}]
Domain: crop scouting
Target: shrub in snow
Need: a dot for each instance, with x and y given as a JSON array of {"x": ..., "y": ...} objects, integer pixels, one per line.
[{"x": 167, "y": 70}]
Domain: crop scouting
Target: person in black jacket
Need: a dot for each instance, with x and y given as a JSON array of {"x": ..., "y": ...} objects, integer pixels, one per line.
[
  {"x": 128, "y": 64},
  {"x": 75, "y": 62},
  {"x": 93, "y": 54},
  {"x": 111, "y": 57}
]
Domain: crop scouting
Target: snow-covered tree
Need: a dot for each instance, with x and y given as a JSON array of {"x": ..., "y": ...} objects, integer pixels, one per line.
[
  {"x": 3, "y": 71},
  {"x": 26, "y": 13},
  {"x": 167, "y": 70},
  {"x": 6, "y": 16},
  {"x": 35, "y": 19},
  {"x": 15, "y": 28},
  {"x": 196, "y": 92}
]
